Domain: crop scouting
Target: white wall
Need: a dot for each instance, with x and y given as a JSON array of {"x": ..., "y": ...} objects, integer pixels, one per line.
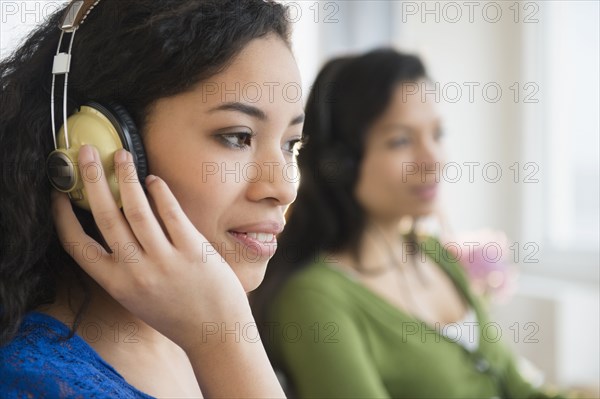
[{"x": 17, "y": 18}]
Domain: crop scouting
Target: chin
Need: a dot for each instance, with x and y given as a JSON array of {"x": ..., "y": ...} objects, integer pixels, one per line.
[
  {"x": 250, "y": 275},
  {"x": 424, "y": 210}
]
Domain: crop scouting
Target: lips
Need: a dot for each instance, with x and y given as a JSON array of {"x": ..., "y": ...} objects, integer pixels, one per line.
[
  {"x": 262, "y": 238},
  {"x": 426, "y": 192},
  {"x": 258, "y": 241}
]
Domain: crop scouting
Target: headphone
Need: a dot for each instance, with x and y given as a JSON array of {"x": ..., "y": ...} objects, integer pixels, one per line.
[
  {"x": 108, "y": 127},
  {"x": 337, "y": 164}
]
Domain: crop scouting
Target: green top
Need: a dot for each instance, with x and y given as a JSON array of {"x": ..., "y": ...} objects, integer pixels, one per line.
[{"x": 336, "y": 338}]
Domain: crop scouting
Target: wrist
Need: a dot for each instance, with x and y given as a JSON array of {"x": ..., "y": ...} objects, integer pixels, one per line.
[{"x": 220, "y": 331}]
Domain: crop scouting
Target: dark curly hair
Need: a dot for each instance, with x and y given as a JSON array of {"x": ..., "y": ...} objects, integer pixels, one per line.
[{"x": 129, "y": 52}]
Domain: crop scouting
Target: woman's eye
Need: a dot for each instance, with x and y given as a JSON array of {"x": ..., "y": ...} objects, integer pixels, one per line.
[
  {"x": 439, "y": 134},
  {"x": 294, "y": 146},
  {"x": 239, "y": 140},
  {"x": 399, "y": 142}
]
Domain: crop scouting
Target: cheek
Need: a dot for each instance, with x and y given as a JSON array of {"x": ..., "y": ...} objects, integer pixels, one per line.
[
  {"x": 196, "y": 198},
  {"x": 379, "y": 182},
  {"x": 389, "y": 173},
  {"x": 200, "y": 196},
  {"x": 207, "y": 202},
  {"x": 386, "y": 186}
]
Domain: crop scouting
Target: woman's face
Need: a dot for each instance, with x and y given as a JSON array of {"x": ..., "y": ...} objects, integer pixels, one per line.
[
  {"x": 226, "y": 150},
  {"x": 401, "y": 167}
]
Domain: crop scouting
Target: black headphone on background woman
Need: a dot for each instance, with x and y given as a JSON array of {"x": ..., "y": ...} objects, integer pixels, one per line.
[
  {"x": 337, "y": 164},
  {"x": 108, "y": 127}
]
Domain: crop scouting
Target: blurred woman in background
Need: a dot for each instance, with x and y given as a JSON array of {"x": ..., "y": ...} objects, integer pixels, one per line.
[{"x": 350, "y": 306}]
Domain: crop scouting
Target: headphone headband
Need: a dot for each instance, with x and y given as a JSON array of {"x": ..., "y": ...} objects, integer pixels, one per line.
[
  {"x": 76, "y": 13},
  {"x": 108, "y": 127}
]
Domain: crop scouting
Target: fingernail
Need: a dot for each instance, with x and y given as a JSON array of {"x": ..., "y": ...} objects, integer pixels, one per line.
[
  {"x": 149, "y": 179},
  {"x": 121, "y": 155},
  {"x": 86, "y": 153}
]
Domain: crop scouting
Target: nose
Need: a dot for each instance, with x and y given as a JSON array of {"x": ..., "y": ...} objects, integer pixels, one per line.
[
  {"x": 428, "y": 153},
  {"x": 427, "y": 157},
  {"x": 273, "y": 178}
]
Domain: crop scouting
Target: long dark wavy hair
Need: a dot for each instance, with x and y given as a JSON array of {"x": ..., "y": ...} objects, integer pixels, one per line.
[
  {"x": 129, "y": 52},
  {"x": 349, "y": 94}
]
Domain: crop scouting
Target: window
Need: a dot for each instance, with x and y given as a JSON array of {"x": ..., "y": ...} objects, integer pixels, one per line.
[
  {"x": 572, "y": 126},
  {"x": 563, "y": 130}
]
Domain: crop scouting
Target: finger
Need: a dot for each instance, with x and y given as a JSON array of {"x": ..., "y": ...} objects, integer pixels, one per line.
[
  {"x": 77, "y": 243},
  {"x": 136, "y": 207},
  {"x": 183, "y": 233},
  {"x": 107, "y": 215}
]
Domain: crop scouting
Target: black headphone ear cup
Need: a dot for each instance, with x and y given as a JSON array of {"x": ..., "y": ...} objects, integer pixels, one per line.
[
  {"x": 137, "y": 148},
  {"x": 136, "y": 145},
  {"x": 128, "y": 131}
]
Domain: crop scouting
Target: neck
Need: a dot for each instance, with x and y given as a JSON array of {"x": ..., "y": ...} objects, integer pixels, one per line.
[
  {"x": 381, "y": 246},
  {"x": 154, "y": 364},
  {"x": 388, "y": 230},
  {"x": 104, "y": 320},
  {"x": 381, "y": 241}
]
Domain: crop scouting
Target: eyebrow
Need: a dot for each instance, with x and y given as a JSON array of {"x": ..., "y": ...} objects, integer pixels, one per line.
[
  {"x": 396, "y": 127},
  {"x": 251, "y": 111},
  {"x": 297, "y": 120},
  {"x": 401, "y": 127}
]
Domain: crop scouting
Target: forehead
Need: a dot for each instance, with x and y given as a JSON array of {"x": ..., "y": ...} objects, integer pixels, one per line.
[
  {"x": 410, "y": 103},
  {"x": 264, "y": 74},
  {"x": 408, "y": 107}
]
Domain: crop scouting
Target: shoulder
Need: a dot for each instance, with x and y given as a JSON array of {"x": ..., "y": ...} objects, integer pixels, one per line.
[
  {"x": 320, "y": 291},
  {"x": 321, "y": 279},
  {"x": 442, "y": 255},
  {"x": 41, "y": 361}
]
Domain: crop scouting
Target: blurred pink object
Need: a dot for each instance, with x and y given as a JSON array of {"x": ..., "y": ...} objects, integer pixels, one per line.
[{"x": 488, "y": 260}]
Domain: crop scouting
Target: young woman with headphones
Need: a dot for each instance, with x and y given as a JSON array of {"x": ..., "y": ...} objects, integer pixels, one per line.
[{"x": 139, "y": 289}]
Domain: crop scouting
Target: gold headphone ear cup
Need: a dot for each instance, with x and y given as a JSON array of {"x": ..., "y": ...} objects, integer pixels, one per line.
[
  {"x": 108, "y": 128},
  {"x": 89, "y": 126}
]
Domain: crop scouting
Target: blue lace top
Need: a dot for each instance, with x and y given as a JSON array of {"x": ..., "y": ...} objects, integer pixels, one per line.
[{"x": 40, "y": 363}]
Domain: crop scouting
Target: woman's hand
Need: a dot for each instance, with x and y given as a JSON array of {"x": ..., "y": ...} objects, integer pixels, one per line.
[{"x": 174, "y": 282}]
